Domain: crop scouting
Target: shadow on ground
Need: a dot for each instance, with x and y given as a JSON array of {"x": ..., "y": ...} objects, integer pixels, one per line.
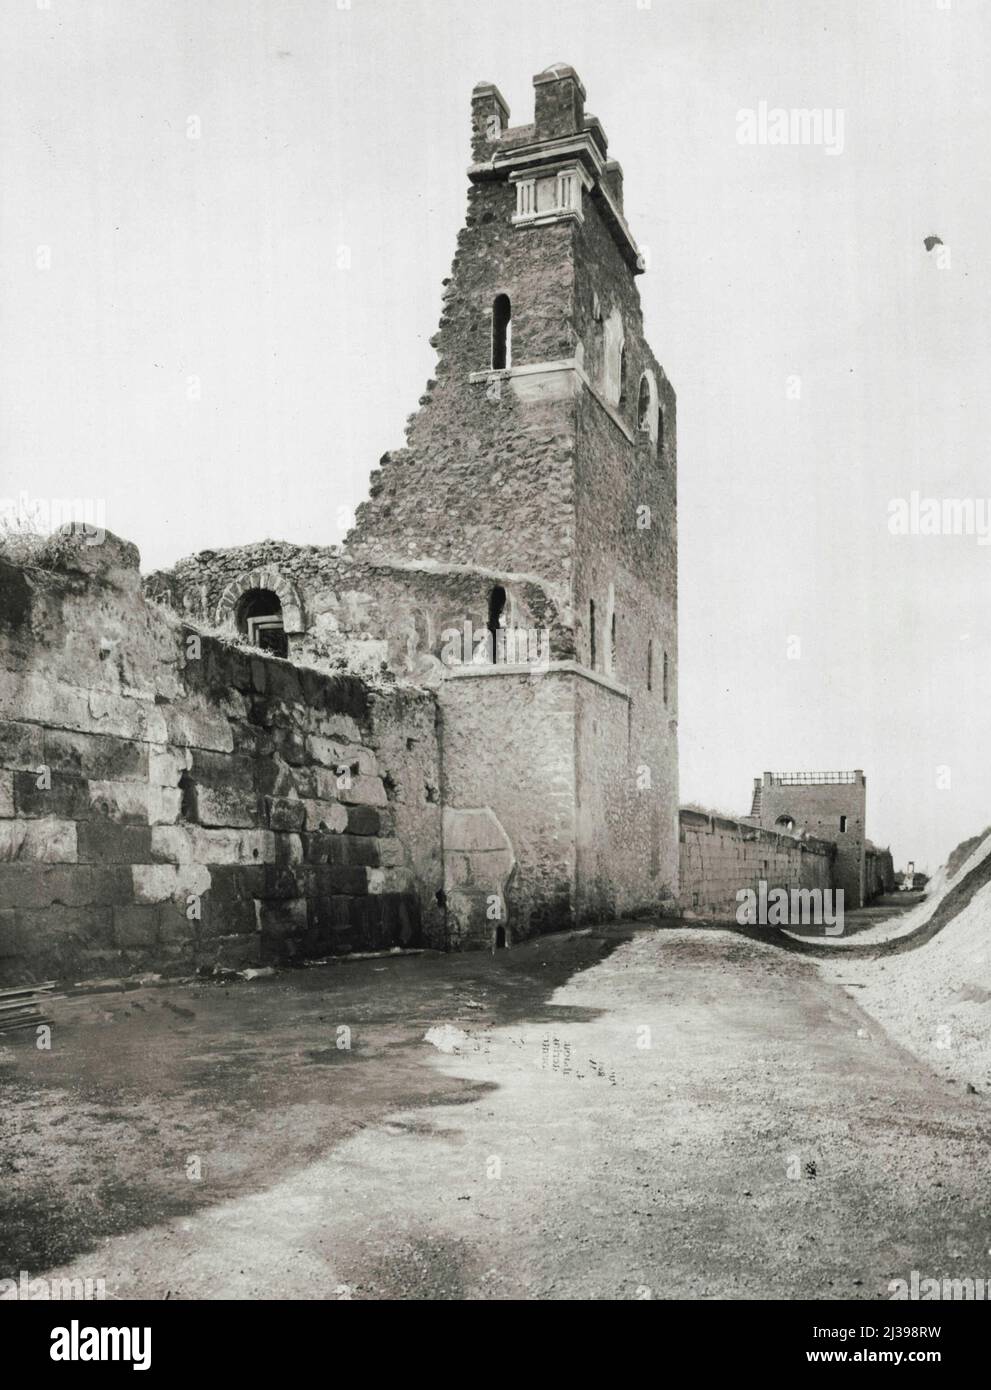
[{"x": 147, "y": 1092}]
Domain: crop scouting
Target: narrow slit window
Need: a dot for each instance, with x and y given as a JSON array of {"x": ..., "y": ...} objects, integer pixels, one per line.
[
  {"x": 842, "y": 823},
  {"x": 591, "y": 633},
  {"x": 664, "y": 678},
  {"x": 502, "y": 332},
  {"x": 660, "y": 432},
  {"x": 612, "y": 644},
  {"x": 650, "y": 665},
  {"x": 496, "y": 624}
]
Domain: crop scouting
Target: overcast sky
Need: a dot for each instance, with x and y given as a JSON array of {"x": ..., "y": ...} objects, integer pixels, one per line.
[{"x": 218, "y": 259}]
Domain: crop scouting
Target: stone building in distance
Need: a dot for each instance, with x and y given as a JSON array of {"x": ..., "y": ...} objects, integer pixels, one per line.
[
  {"x": 518, "y": 556},
  {"x": 830, "y": 806}
]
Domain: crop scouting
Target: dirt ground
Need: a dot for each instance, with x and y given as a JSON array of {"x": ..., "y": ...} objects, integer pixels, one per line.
[{"x": 627, "y": 1112}]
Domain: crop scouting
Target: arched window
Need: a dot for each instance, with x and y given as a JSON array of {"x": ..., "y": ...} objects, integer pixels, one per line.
[
  {"x": 643, "y": 404},
  {"x": 785, "y": 823},
  {"x": 259, "y": 619},
  {"x": 497, "y": 621},
  {"x": 502, "y": 332}
]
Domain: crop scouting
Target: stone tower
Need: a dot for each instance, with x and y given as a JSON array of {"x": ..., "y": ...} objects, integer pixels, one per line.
[
  {"x": 828, "y": 805},
  {"x": 535, "y": 500},
  {"x": 538, "y": 492}
]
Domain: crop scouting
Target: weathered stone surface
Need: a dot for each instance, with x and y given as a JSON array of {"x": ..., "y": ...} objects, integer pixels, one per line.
[
  {"x": 21, "y": 745},
  {"x": 326, "y": 815},
  {"x": 108, "y": 842},
  {"x": 283, "y": 814},
  {"x": 125, "y": 802},
  {"x": 102, "y": 756},
  {"x": 136, "y": 926},
  {"x": 47, "y": 841},
  {"x": 219, "y": 807},
  {"x": 158, "y": 883}
]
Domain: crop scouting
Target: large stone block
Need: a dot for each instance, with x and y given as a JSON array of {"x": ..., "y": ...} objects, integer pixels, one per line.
[
  {"x": 183, "y": 844},
  {"x": 326, "y": 815},
  {"x": 363, "y": 791},
  {"x": 364, "y": 820},
  {"x": 107, "y": 842},
  {"x": 21, "y": 745},
  {"x": 48, "y": 793},
  {"x": 6, "y": 794},
  {"x": 334, "y": 754},
  {"x": 199, "y": 726},
  {"x": 232, "y": 771},
  {"x": 127, "y": 803},
  {"x": 42, "y": 841},
  {"x": 218, "y": 807},
  {"x": 159, "y": 883},
  {"x": 136, "y": 926},
  {"x": 100, "y": 756},
  {"x": 73, "y": 885},
  {"x": 282, "y": 918},
  {"x": 283, "y": 814}
]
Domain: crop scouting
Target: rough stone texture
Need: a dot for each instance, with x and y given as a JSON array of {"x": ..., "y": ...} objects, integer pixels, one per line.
[
  {"x": 816, "y": 808},
  {"x": 719, "y": 857},
  {"x": 253, "y": 812},
  {"x": 508, "y": 746},
  {"x": 537, "y": 478}
]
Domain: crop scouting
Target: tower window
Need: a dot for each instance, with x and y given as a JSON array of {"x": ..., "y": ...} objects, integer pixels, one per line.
[
  {"x": 660, "y": 431},
  {"x": 612, "y": 643},
  {"x": 497, "y": 621},
  {"x": 842, "y": 824},
  {"x": 502, "y": 332},
  {"x": 622, "y": 374},
  {"x": 259, "y": 619},
  {"x": 643, "y": 404},
  {"x": 650, "y": 665},
  {"x": 591, "y": 633},
  {"x": 664, "y": 678}
]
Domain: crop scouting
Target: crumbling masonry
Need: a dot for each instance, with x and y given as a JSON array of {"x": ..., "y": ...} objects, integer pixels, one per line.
[{"x": 465, "y": 728}]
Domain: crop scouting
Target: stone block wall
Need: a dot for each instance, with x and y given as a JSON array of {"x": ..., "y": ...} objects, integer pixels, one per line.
[
  {"x": 509, "y": 752},
  {"x": 169, "y": 801},
  {"x": 720, "y": 856}
]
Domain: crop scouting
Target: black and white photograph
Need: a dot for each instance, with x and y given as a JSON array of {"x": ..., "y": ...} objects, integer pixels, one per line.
[{"x": 495, "y": 652}]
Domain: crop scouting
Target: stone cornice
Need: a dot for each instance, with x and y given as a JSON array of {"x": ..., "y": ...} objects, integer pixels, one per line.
[{"x": 567, "y": 668}]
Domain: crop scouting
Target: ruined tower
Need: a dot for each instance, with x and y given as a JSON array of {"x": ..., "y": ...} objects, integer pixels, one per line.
[
  {"x": 540, "y": 475},
  {"x": 535, "y": 499}
]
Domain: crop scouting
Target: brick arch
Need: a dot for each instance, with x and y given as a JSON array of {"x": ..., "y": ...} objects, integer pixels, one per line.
[{"x": 264, "y": 578}]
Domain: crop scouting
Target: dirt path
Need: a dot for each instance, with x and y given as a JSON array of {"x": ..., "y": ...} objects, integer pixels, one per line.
[{"x": 626, "y": 1111}]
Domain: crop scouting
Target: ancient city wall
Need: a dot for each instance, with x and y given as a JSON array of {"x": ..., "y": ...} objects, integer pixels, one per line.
[
  {"x": 169, "y": 801},
  {"x": 720, "y": 856}
]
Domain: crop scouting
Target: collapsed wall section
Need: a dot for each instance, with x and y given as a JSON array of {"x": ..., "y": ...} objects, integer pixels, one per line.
[{"x": 170, "y": 801}]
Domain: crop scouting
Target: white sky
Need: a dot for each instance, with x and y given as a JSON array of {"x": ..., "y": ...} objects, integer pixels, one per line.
[{"x": 218, "y": 258}]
